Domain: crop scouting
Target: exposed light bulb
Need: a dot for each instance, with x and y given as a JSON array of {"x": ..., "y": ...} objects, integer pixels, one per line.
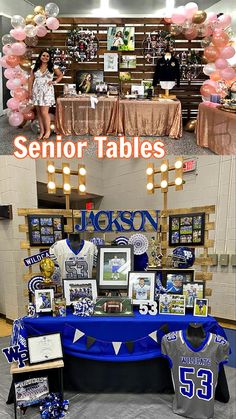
[
  {"x": 66, "y": 187},
  {"x": 164, "y": 167},
  {"x": 51, "y": 168},
  {"x": 150, "y": 186},
  {"x": 51, "y": 185},
  {"x": 82, "y": 188},
  {"x": 178, "y": 181},
  {"x": 149, "y": 171},
  {"x": 66, "y": 170},
  {"x": 178, "y": 164},
  {"x": 82, "y": 171},
  {"x": 164, "y": 184}
]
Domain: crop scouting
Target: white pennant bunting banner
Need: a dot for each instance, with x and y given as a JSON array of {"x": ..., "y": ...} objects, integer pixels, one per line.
[
  {"x": 153, "y": 335},
  {"x": 116, "y": 346},
  {"x": 78, "y": 334}
]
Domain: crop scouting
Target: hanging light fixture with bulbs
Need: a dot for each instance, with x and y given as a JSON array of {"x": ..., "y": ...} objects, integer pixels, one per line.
[
  {"x": 66, "y": 173},
  {"x": 164, "y": 171}
]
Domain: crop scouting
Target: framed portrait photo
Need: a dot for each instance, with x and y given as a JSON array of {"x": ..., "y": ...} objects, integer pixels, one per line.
[
  {"x": 141, "y": 287},
  {"x": 200, "y": 307},
  {"x": 114, "y": 265},
  {"x": 174, "y": 279},
  {"x": 43, "y": 300},
  {"x": 187, "y": 229},
  {"x": 192, "y": 290},
  {"x": 111, "y": 62},
  {"x": 121, "y": 38},
  {"x": 86, "y": 81},
  {"x": 74, "y": 289},
  {"x": 44, "y": 348}
]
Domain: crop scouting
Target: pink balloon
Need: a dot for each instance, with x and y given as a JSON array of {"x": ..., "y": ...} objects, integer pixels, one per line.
[
  {"x": 224, "y": 21},
  {"x": 41, "y": 31},
  {"x": 9, "y": 73},
  {"x": 23, "y": 79},
  {"x": 29, "y": 116},
  {"x": 53, "y": 23},
  {"x": 221, "y": 63},
  {"x": 18, "y": 48},
  {"x": 21, "y": 94},
  {"x": 3, "y": 62},
  {"x": 190, "y": 33},
  {"x": 207, "y": 90},
  {"x": 15, "y": 119},
  {"x": 211, "y": 17},
  {"x": 211, "y": 83},
  {"x": 190, "y": 10},
  {"x": 12, "y": 84},
  {"x": 13, "y": 104},
  {"x": 227, "y": 52},
  {"x": 178, "y": 19},
  {"x": 228, "y": 73},
  {"x": 7, "y": 50},
  {"x": 220, "y": 38},
  {"x": 18, "y": 34}
]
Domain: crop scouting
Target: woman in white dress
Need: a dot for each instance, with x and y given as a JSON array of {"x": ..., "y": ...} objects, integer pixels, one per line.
[{"x": 42, "y": 92}]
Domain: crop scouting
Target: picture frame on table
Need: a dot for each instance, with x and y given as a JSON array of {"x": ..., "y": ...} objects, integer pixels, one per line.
[
  {"x": 44, "y": 348},
  {"x": 187, "y": 229},
  {"x": 113, "y": 306},
  {"x": 148, "y": 87},
  {"x": 172, "y": 304},
  {"x": 113, "y": 266},
  {"x": 193, "y": 290},
  {"x": 141, "y": 287},
  {"x": 174, "y": 279},
  {"x": 45, "y": 230},
  {"x": 113, "y": 89},
  {"x": 43, "y": 300},
  {"x": 200, "y": 307},
  {"x": 137, "y": 89},
  {"x": 31, "y": 391},
  {"x": 74, "y": 289},
  {"x": 86, "y": 81}
]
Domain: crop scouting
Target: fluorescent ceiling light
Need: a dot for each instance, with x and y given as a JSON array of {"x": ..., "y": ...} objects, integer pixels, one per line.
[{"x": 104, "y": 10}]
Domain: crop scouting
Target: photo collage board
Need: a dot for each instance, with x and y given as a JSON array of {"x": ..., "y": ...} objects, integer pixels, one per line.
[
  {"x": 186, "y": 229},
  {"x": 44, "y": 230}
]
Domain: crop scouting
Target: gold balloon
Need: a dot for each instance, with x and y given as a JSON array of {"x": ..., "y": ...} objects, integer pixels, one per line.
[
  {"x": 191, "y": 125},
  {"x": 199, "y": 17},
  {"x": 25, "y": 64},
  {"x": 29, "y": 20},
  {"x": 47, "y": 268},
  {"x": 39, "y": 10}
]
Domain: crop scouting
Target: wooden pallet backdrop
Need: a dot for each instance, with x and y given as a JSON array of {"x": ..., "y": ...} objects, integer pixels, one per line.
[
  {"x": 188, "y": 92},
  {"x": 203, "y": 262}
]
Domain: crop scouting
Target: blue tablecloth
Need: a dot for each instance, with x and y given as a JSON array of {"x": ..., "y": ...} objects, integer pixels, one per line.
[{"x": 106, "y": 330}]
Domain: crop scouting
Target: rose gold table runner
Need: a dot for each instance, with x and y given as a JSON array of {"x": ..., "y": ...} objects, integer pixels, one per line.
[
  {"x": 74, "y": 116},
  {"x": 147, "y": 118},
  {"x": 216, "y": 129}
]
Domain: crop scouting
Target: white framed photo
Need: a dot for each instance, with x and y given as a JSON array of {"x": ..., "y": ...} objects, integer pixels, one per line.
[
  {"x": 141, "y": 287},
  {"x": 172, "y": 304},
  {"x": 44, "y": 348},
  {"x": 137, "y": 89},
  {"x": 114, "y": 265},
  {"x": 200, "y": 307},
  {"x": 74, "y": 289},
  {"x": 111, "y": 62},
  {"x": 43, "y": 300}
]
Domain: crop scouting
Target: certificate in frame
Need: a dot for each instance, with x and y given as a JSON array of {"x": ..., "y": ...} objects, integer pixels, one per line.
[{"x": 44, "y": 348}]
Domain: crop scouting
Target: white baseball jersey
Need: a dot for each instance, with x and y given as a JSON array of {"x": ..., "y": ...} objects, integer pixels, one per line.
[
  {"x": 142, "y": 292},
  {"x": 74, "y": 264},
  {"x": 194, "y": 372}
]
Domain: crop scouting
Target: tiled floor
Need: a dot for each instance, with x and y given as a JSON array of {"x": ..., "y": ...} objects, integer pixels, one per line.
[{"x": 185, "y": 146}]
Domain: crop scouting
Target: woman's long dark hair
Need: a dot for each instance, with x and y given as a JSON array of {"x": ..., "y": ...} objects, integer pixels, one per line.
[{"x": 38, "y": 62}]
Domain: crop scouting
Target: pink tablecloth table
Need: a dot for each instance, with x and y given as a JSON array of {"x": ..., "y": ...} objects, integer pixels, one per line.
[
  {"x": 216, "y": 129},
  {"x": 150, "y": 118}
]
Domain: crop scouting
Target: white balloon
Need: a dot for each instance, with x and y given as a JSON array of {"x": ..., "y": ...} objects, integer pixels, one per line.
[{"x": 51, "y": 10}]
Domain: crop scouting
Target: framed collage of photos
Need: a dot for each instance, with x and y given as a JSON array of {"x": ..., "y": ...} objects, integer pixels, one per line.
[
  {"x": 113, "y": 267},
  {"x": 74, "y": 289},
  {"x": 45, "y": 230},
  {"x": 187, "y": 229}
]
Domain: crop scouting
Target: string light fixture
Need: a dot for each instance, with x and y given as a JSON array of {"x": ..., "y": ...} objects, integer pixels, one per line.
[{"x": 164, "y": 171}]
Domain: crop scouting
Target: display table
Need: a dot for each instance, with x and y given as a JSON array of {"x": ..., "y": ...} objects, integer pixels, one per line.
[
  {"x": 216, "y": 129},
  {"x": 106, "y": 330},
  {"x": 98, "y": 369},
  {"x": 150, "y": 117},
  {"x": 74, "y": 116}
]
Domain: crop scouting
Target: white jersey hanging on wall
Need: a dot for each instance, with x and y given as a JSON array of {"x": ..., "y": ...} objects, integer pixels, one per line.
[
  {"x": 74, "y": 264},
  {"x": 194, "y": 372}
]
